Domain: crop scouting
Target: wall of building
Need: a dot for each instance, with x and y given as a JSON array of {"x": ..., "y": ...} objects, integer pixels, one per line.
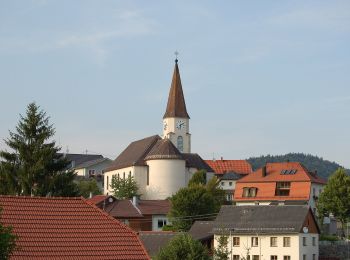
[
  {"x": 264, "y": 249},
  {"x": 166, "y": 177},
  {"x": 172, "y": 133},
  {"x": 124, "y": 172},
  {"x": 315, "y": 190}
]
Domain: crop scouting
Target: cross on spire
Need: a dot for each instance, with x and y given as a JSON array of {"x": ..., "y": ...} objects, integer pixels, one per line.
[{"x": 176, "y": 54}]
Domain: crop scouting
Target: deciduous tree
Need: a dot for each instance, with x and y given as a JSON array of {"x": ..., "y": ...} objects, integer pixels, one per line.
[
  {"x": 335, "y": 198},
  {"x": 183, "y": 247},
  {"x": 124, "y": 188}
]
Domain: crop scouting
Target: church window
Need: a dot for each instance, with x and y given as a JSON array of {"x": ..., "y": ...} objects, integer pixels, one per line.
[
  {"x": 180, "y": 143},
  {"x": 124, "y": 175},
  {"x": 147, "y": 175},
  {"x": 107, "y": 184},
  {"x": 129, "y": 174}
]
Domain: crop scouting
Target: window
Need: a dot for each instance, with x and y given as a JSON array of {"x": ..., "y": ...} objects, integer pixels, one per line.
[
  {"x": 107, "y": 184},
  {"x": 249, "y": 192},
  {"x": 313, "y": 191},
  {"x": 273, "y": 241},
  {"x": 235, "y": 241},
  {"x": 286, "y": 257},
  {"x": 222, "y": 183},
  {"x": 229, "y": 197},
  {"x": 235, "y": 257},
  {"x": 180, "y": 143},
  {"x": 314, "y": 241},
  {"x": 124, "y": 175},
  {"x": 147, "y": 176},
  {"x": 304, "y": 257},
  {"x": 129, "y": 174},
  {"x": 161, "y": 223},
  {"x": 313, "y": 256},
  {"x": 273, "y": 257},
  {"x": 255, "y": 257},
  {"x": 230, "y": 183},
  {"x": 286, "y": 241},
  {"x": 91, "y": 172},
  {"x": 282, "y": 188},
  {"x": 304, "y": 241},
  {"x": 255, "y": 241}
]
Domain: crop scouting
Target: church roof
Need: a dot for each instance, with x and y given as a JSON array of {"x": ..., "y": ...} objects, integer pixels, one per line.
[
  {"x": 164, "y": 149},
  {"x": 134, "y": 154},
  {"x": 176, "y": 106},
  {"x": 193, "y": 160}
]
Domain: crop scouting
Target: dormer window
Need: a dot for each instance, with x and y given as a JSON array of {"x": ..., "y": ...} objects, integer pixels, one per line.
[
  {"x": 282, "y": 188},
  {"x": 249, "y": 192}
]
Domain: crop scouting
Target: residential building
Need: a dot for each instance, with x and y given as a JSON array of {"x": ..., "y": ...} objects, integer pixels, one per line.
[
  {"x": 228, "y": 183},
  {"x": 67, "y": 228},
  {"x": 275, "y": 232},
  {"x": 222, "y": 166},
  {"x": 161, "y": 166},
  {"x": 203, "y": 232},
  {"x": 140, "y": 215},
  {"x": 279, "y": 183},
  {"x": 153, "y": 241}
]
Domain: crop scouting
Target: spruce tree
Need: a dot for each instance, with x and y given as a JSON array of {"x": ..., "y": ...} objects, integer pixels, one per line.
[{"x": 33, "y": 165}]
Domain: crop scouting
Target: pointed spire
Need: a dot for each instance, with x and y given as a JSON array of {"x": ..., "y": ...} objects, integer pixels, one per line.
[{"x": 176, "y": 106}]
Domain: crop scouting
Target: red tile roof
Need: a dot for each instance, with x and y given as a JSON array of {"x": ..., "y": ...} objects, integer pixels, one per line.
[
  {"x": 153, "y": 207},
  {"x": 223, "y": 166},
  {"x": 97, "y": 199},
  {"x": 300, "y": 186},
  {"x": 67, "y": 228}
]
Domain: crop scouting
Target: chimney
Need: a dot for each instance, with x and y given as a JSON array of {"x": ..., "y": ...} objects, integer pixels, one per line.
[
  {"x": 264, "y": 171},
  {"x": 222, "y": 158},
  {"x": 90, "y": 196},
  {"x": 135, "y": 201}
]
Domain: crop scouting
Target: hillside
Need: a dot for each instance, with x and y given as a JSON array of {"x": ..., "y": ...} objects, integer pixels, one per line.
[{"x": 324, "y": 167}]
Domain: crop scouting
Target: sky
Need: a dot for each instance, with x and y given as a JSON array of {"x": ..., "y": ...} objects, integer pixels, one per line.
[{"x": 259, "y": 77}]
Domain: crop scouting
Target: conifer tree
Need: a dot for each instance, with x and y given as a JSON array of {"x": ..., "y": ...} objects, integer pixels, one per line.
[{"x": 33, "y": 165}]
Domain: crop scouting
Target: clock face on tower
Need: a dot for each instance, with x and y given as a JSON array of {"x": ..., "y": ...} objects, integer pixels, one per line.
[{"x": 180, "y": 124}]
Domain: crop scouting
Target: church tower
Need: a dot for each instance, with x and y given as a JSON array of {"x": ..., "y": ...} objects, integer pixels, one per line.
[{"x": 176, "y": 119}]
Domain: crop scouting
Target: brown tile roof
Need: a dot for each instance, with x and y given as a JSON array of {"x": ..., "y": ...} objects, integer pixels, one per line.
[
  {"x": 164, "y": 149},
  {"x": 300, "y": 179},
  {"x": 176, "y": 106},
  {"x": 97, "y": 198},
  {"x": 223, "y": 166},
  {"x": 67, "y": 228},
  {"x": 134, "y": 154},
  {"x": 193, "y": 160},
  {"x": 155, "y": 240},
  {"x": 151, "y": 207},
  {"x": 123, "y": 209}
]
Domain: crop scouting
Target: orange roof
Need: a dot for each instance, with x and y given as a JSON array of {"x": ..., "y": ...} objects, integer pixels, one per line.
[
  {"x": 223, "y": 166},
  {"x": 97, "y": 199},
  {"x": 67, "y": 228},
  {"x": 300, "y": 179}
]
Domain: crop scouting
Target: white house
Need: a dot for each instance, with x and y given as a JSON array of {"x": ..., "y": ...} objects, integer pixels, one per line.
[
  {"x": 161, "y": 166},
  {"x": 268, "y": 232}
]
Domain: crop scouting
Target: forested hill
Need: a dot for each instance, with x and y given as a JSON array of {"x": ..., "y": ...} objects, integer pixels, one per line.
[{"x": 324, "y": 168}]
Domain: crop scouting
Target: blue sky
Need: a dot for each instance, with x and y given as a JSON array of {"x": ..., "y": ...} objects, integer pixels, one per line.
[{"x": 259, "y": 77}]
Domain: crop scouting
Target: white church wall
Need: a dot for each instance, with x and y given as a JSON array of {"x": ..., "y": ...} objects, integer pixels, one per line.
[
  {"x": 123, "y": 173},
  {"x": 166, "y": 177}
]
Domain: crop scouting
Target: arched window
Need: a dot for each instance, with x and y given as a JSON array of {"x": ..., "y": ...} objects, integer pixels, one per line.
[{"x": 180, "y": 143}]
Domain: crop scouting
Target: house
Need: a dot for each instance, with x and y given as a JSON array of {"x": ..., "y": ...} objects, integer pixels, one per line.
[
  {"x": 161, "y": 165},
  {"x": 275, "y": 232},
  {"x": 67, "y": 228},
  {"x": 278, "y": 183},
  {"x": 140, "y": 215},
  {"x": 203, "y": 232},
  {"x": 222, "y": 166},
  {"x": 228, "y": 183},
  {"x": 155, "y": 240}
]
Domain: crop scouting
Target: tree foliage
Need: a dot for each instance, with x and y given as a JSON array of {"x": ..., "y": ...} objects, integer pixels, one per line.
[
  {"x": 33, "y": 166},
  {"x": 183, "y": 247},
  {"x": 221, "y": 252},
  {"x": 198, "y": 178},
  {"x": 86, "y": 187},
  {"x": 198, "y": 201},
  {"x": 7, "y": 241},
  {"x": 324, "y": 167},
  {"x": 335, "y": 198},
  {"x": 124, "y": 188}
]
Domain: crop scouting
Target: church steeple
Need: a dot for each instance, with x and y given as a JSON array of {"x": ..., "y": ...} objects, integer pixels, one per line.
[{"x": 176, "y": 106}]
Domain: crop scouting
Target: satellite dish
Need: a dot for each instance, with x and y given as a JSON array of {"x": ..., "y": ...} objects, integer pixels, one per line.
[
  {"x": 305, "y": 230},
  {"x": 110, "y": 199}
]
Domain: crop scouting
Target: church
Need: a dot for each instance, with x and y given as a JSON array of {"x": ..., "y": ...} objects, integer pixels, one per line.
[{"x": 161, "y": 165}]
